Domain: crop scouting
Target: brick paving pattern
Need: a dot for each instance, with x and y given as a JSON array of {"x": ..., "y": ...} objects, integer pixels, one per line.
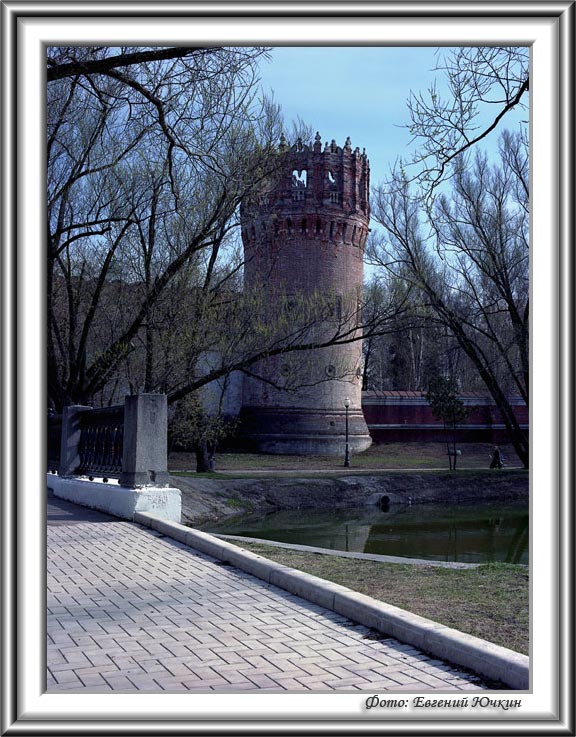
[{"x": 131, "y": 610}]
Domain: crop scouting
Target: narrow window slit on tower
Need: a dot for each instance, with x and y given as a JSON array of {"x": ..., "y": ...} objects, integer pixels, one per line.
[
  {"x": 334, "y": 195},
  {"x": 299, "y": 184}
]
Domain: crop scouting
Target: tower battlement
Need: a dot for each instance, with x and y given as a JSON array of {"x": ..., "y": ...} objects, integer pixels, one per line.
[{"x": 317, "y": 191}]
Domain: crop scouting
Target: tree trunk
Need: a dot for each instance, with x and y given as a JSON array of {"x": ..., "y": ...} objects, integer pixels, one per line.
[
  {"x": 454, "y": 445},
  {"x": 448, "y": 447},
  {"x": 204, "y": 458}
]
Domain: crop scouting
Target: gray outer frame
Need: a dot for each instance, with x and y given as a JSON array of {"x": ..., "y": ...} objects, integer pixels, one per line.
[{"x": 12, "y": 519}]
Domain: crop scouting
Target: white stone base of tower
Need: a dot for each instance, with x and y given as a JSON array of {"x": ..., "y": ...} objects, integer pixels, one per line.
[{"x": 295, "y": 431}]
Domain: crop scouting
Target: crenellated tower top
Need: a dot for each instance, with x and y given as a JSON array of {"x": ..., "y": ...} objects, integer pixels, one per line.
[
  {"x": 316, "y": 192},
  {"x": 311, "y": 177}
]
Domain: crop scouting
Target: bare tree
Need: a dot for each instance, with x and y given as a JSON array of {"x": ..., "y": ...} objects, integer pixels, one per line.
[
  {"x": 414, "y": 347},
  {"x": 146, "y": 168},
  {"x": 467, "y": 256},
  {"x": 479, "y": 87}
]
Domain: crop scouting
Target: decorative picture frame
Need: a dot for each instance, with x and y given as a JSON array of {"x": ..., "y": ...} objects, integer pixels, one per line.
[{"x": 548, "y": 28}]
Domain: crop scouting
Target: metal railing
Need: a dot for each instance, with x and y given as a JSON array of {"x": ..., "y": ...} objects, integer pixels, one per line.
[
  {"x": 54, "y": 442},
  {"x": 101, "y": 441}
]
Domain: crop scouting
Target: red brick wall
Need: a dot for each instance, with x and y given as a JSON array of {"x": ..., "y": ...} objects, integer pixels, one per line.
[{"x": 407, "y": 416}]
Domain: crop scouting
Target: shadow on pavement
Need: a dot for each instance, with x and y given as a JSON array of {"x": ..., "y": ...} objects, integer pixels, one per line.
[{"x": 61, "y": 512}]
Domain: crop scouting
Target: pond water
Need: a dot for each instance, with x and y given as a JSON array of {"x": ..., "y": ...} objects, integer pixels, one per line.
[{"x": 464, "y": 533}]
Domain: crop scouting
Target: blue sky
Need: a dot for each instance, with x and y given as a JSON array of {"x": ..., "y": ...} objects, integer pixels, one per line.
[{"x": 359, "y": 92}]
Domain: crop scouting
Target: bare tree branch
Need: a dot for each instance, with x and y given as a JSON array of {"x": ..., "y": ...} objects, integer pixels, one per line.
[
  {"x": 509, "y": 105},
  {"x": 106, "y": 65}
]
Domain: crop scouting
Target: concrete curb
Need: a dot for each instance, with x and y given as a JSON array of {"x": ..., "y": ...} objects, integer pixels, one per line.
[{"x": 484, "y": 658}]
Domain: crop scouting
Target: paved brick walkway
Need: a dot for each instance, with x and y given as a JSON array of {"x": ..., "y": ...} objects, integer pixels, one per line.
[{"x": 129, "y": 609}]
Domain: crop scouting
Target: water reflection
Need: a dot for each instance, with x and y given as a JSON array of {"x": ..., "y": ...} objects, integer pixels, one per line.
[{"x": 465, "y": 533}]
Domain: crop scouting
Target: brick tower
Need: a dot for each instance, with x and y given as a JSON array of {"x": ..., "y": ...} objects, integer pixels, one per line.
[{"x": 304, "y": 238}]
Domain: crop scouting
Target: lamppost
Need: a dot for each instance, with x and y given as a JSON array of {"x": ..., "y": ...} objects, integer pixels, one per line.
[{"x": 347, "y": 454}]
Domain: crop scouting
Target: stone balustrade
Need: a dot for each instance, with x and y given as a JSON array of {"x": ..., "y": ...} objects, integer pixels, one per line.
[{"x": 114, "y": 459}]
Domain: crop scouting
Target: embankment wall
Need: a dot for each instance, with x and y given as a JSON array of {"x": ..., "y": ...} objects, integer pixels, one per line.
[{"x": 206, "y": 499}]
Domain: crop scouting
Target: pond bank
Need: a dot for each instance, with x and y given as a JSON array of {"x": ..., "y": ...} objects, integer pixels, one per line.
[{"x": 207, "y": 499}]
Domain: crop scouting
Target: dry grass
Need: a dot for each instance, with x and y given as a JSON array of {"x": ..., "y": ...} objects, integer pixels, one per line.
[{"x": 385, "y": 456}]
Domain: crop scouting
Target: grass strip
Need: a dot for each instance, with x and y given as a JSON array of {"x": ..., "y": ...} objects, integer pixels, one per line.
[
  {"x": 385, "y": 456},
  {"x": 465, "y": 473},
  {"x": 490, "y": 601}
]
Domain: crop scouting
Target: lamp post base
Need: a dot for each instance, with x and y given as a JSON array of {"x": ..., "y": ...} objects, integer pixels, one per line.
[{"x": 347, "y": 456}]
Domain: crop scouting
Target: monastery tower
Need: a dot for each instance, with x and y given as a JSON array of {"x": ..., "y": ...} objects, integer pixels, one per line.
[{"x": 304, "y": 238}]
